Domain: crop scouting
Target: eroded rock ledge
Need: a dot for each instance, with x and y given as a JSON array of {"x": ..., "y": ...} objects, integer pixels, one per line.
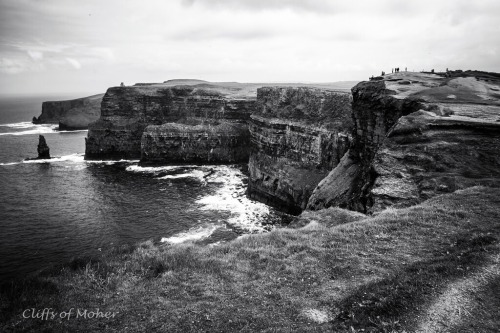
[{"x": 415, "y": 136}]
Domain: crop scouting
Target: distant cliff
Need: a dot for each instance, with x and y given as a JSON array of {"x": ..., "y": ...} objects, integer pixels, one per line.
[
  {"x": 416, "y": 136},
  {"x": 71, "y": 114}
]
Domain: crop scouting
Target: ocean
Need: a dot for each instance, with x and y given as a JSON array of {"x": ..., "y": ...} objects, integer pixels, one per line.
[{"x": 52, "y": 211}]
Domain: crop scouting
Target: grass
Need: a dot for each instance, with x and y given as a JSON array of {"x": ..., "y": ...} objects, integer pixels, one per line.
[{"x": 375, "y": 274}]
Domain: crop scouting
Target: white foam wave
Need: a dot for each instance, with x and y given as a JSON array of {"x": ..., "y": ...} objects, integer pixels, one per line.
[
  {"x": 245, "y": 213},
  {"x": 156, "y": 169},
  {"x": 72, "y": 158},
  {"x": 72, "y": 131},
  {"x": 110, "y": 162},
  {"x": 31, "y": 129},
  {"x": 193, "y": 174},
  {"x": 24, "y": 124},
  {"x": 183, "y": 171},
  {"x": 75, "y": 158},
  {"x": 193, "y": 234}
]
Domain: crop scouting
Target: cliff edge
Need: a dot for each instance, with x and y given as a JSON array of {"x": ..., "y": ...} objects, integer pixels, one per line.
[{"x": 417, "y": 135}]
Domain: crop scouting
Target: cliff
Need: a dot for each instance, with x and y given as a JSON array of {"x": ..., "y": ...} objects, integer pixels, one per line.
[
  {"x": 219, "y": 142},
  {"x": 186, "y": 116},
  {"x": 71, "y": 114},
  {"x": 298, "y": 135},
  {"x": 415, "y": 136},
  {"x": 150, "y": 118}
]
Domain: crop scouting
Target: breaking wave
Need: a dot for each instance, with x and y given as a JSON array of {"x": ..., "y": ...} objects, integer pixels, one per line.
[
  {"x": 193, "y": 234},
  {"x": 246, "y": 214},
  {"x": 72, "y": 158},
  {"x": 26, "y": 128}
]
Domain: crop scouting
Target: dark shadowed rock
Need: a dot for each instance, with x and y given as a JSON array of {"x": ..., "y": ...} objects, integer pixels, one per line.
[{"x": 43, "y": 148}]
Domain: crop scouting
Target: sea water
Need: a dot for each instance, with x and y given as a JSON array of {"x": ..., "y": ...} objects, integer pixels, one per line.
[{"x": 52, "y": 211}]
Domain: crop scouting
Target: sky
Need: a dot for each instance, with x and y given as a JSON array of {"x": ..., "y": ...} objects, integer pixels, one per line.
[{"x": 86, "y": 46}]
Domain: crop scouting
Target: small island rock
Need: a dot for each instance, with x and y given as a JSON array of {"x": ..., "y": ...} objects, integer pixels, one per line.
[{"x": 43, "y": 148}]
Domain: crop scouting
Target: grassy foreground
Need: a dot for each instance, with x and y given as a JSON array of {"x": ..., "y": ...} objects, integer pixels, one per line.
[{"x": 434, "y": 267}]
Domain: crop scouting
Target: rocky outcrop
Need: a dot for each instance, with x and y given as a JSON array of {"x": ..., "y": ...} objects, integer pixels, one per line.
[
  {"x": 298, "y": 135},
  {"x": 71, "y": 114},
  {"x": 425, "y": 155},
  {"x": 204, "y": 111},
  {"x": 415, "y": 136},
  {"x": 43, "y": 149}
]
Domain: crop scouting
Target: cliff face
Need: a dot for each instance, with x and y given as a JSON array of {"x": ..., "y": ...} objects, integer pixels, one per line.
[
  {"x": 219, "y": 142},
  {"x": 416, "y": 136},
  {"x": 298, "y": 135},
  {"x": 71, "y": 114},
  {"x": 126, "y": 112}
]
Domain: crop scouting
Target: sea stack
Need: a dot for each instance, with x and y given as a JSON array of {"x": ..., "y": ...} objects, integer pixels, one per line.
[{"x": 43, "y": 148}]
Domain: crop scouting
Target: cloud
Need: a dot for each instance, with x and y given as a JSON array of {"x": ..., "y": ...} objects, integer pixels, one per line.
[
  {"x": 201, "y": 33},
  {"x": 244, "y": 40},
  {"x": 309, "y": 5},
  {"x": 21, "y": 57},
  {"x": 74, "y": 63},
  {"x": 11, "y": 66},
  {"x": 35, "y": 55},
  {"x": 17, "y": 65}
]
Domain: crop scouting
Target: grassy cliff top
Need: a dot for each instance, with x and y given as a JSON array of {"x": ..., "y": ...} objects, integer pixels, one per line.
[
  {"x": 459, "y": 96},
  {"x": 235, "y": 90}
]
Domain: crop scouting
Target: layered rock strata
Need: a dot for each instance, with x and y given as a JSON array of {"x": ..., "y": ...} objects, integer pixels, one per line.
[
  {"x": 224, "y": 142},
  {"x": 415, "y": 136},
  {"x": 298, "y": 135},
  {"x": 203, "y": 110},
  {"x": 71, "y": 114}
]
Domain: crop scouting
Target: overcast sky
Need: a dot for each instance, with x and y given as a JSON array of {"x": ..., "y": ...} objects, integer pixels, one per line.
[{"x": 87, "y": 46}]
